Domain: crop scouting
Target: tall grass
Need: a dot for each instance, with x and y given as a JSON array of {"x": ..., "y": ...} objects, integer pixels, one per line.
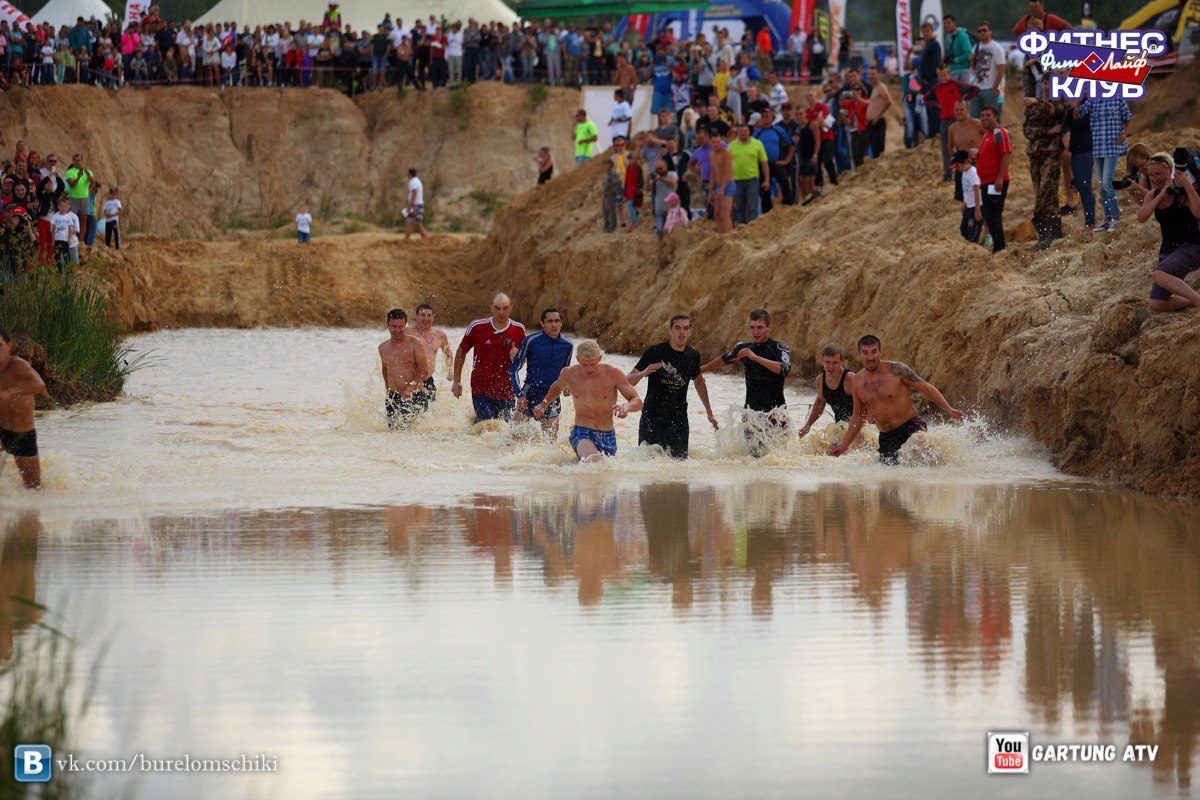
[
  {"x": 66, "y": 316},
  {"x": 42, "y": 700}
]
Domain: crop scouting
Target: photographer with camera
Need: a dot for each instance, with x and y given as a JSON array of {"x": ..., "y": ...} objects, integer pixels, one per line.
[{"x": 1174, "y": 204}]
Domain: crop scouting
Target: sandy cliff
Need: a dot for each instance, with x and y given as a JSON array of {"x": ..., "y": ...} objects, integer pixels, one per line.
[{"x": 194, "y": 162}]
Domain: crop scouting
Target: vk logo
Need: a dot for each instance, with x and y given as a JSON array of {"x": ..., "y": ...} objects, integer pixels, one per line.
[{"x": 32, "y": 763}]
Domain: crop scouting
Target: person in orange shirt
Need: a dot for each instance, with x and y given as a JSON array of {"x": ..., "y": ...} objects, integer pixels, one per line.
[{"x": 762, "y": 42}]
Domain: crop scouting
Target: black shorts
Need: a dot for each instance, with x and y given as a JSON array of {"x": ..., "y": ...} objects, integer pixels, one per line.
[
  {"x": 19, "y": 445},
  {"x": 669, "y": 433},
  {"x": 958, "y": 190},
  {"x": 891, "y": 441},
  {"x": 401, "y": 410},
  {"x": 426, "y": 394}
]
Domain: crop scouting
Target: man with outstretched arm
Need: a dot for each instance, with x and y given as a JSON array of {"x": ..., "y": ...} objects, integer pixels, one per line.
[
  {"x": 765, "y": 361},
  {"x": 19, "y": 385},
  {"x": 883, "y": 390},
  {"x": 670, "y": 366},
  {"x": 495, "y": 341},
  {"x": 545, "y": 354},
  {"x": 594, "y": 387}
]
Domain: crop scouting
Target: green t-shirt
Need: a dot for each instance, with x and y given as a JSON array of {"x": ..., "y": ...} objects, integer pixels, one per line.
[
  {"x": 81, "y": 189},
  {"x": 585, "y": 130},
  {"x": 746, "y": 158}
]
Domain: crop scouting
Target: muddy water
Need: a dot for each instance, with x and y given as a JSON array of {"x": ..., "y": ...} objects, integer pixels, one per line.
[{"x": 444, "y": 614}]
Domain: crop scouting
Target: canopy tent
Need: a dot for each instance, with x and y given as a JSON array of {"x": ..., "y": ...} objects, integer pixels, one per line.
[
  {"x": 362, "y": 14},
  {"x": 66, "y": 12},
  {"x": 562, "y": 9},
  {"x": 775, "y": 15}
]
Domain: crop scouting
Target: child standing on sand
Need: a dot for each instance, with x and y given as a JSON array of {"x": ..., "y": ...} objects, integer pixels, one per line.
[
  {"x": 112, "y": 219},
  {"x": 304, "y": 225}
]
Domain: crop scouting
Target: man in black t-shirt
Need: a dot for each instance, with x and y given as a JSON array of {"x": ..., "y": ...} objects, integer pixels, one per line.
[
  {"x": 670, "y": 367},
  {"x": 766, "y": 363}
]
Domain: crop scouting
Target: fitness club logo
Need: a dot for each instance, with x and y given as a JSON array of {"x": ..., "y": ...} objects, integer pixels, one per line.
[
  {"x": 1095, "y": 63},
  {"x": 1008, "y": 753}
]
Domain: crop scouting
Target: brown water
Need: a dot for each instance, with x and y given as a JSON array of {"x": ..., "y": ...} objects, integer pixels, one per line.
[
  {"x": 668, "y": 641},
  {"x": 438, "y": 613}
]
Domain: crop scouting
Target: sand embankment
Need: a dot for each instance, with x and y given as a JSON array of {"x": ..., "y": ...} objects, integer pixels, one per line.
[{"x": 194, "y": 163}]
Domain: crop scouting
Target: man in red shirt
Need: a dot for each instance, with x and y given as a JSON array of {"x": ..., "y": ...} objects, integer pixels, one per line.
[
  {"x": 495, "y": 341},
  {"x": 995, "y": 154},
  {"x": 1050, "y": 22},
  {"x": 946, "y": 92},
  {"x": 816, "y": 117}
]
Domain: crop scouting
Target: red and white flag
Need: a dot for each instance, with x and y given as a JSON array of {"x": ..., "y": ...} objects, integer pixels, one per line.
[
  {"x": 904, "y": 39},
  {"x": 134, "y": 11},
  {"x": 11, "y": 14}
]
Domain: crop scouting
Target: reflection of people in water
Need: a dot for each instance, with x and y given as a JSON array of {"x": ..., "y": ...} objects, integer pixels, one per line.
[
  {"x": 491, "y": 525},
  {"x": 18, "y": 580},
  {"x": 665, "y": 514},
  {"x": 595, "y": 543},
  {"x": 884, "y": 390}
]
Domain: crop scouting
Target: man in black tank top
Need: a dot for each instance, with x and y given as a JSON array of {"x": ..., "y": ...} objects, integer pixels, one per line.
[{"x": 835, "y": 396}]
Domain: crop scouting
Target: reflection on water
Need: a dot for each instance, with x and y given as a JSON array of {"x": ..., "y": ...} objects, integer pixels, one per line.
[{"x": 667, "y": 640}]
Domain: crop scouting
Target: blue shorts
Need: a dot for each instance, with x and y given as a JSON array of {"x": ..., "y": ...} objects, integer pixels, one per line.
[
  {"x": 535, "y": 395},
  {"x": 492, "y": 408},
  {"x": 605, "y": 441},
  {"x": 659, "y": 102}
]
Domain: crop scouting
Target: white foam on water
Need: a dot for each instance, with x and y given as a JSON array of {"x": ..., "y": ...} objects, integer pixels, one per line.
[{"x": 279, "y": 418}]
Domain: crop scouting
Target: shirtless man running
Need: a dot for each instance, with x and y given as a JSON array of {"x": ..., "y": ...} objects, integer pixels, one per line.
[
  {"x": 432, "y": 339},
  {"x": 721, "y": 189},
  {"x": 594, "y": 388},
  {"x": 883, "y": 390},
  {"x": 19, "y": 384},
  {"x": 405, "y": 369}
]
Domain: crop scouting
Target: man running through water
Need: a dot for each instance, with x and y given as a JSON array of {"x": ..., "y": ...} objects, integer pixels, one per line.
[
  {"x": 594, "y": 387},
  {"x": 405, "y": 369},
  {"x": 766, "y": 362},
  {"x": 545, "y": 353},
  {"x": 882, "y": 389},
  {"x": 19, "y": 385},
  {"x": 831, "y": 388},
  {"x": 495, "y": 342},
  {"x": 670, "y": 367},
  {"x": 432, "y": 339}
]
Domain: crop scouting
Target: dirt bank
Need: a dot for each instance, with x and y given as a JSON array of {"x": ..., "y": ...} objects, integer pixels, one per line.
[
  {"x": 194, "y": 163},
  {"x": 266, "y": 281}
]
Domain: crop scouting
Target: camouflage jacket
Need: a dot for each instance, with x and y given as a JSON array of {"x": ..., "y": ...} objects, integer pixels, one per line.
[{"x": 1040, "y": 119}]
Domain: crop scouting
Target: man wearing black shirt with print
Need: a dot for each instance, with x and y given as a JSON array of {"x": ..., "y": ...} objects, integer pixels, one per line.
[
  {"x": 766, "y": 363},
  {"x": 670, "y": 366}
]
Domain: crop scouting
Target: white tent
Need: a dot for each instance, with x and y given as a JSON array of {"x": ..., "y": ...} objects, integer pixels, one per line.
[
  {"x": 364, "y": 15},
  {"x": 66, "y": 12}
]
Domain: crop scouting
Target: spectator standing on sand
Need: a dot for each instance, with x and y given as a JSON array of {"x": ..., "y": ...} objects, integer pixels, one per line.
[
  {"x": 995, "y": 155},
  {"x": 1110, "y": 119},
  {"x": 625, "y": 77},
  {"x": 64, "y": 224},
  {"x": 931, "y": 59},
  {"x": 621, "y": 117},
  {"x": 634, "y": 187},
  {"x": 964, "y": 134},
  {"x": 81, "y": 185},
  {"x": 988, "y": 63},
  {"x": 958, "y": 49},
  {"x": 414, "y": 217},
  {"x": 676, "y": 216},
  {"x": 612, "y": 194},
  {"x": 112, "y": 219},
  {"x": 972, "y": 202},
  {"x": 585, "y": 137},
  {"x": 750, "y": 175},
  {"x": 304, "y": 225},
  {"x": 545, "y": 165},
  {"x": 1079, "y": 143},
  {"x": 662, "y": 182},
  {"x": 1037, "y": 18},
  {"x": 945, "y": 93}
]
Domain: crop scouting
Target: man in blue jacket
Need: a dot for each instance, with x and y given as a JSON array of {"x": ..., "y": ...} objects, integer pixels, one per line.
[{"x": 545, "y": 354}]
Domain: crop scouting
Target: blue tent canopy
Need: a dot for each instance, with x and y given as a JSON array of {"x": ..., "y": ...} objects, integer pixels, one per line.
[{"x": 774, "y": 14}]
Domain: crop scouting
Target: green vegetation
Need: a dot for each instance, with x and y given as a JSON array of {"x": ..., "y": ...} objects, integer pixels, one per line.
[
  {"x": 460, "y": 103},
  {"x": 38, "y": 686},
  {"x": 488, "y": 200},
  {"x": 60, "y": 324},
  {"x": 535, "y": 95}
]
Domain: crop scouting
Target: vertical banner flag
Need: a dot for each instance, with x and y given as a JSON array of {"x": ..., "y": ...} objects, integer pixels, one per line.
[
  {"x": 837, "y": 21},
  {"x": 693, "y": 19},
  {"x": 134, "y": 11},
  {"x": 904, "y": 39},
  {"x": 820, "y": 24},
  {"x": 801, "y": 17},
  {"x": 11, "y": 14},
  {"x": 931, "y": 12}
]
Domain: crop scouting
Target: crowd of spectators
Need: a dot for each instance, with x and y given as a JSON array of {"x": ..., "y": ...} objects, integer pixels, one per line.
[{"x": 48, "y": 208}]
